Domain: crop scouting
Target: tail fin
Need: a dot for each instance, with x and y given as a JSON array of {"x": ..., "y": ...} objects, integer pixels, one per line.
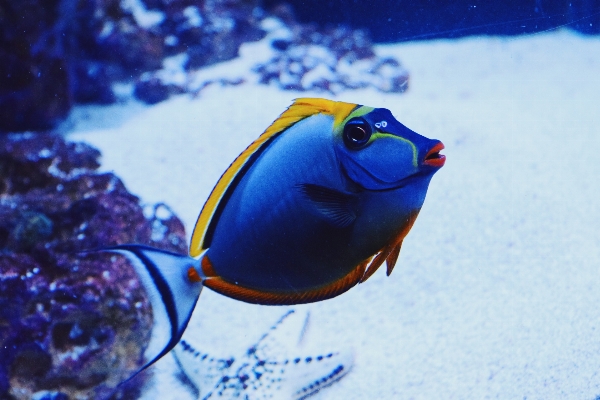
[{"x": 172, "y": 295}]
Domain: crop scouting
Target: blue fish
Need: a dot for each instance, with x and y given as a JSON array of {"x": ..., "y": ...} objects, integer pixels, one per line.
[{"x": 311, "y": 208}]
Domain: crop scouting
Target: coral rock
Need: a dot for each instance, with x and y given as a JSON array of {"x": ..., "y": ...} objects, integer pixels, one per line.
[
  {"x": 56, "y": 54},
  {"x": 330, "y": 60},
  {"x": 72, "y": 325}
]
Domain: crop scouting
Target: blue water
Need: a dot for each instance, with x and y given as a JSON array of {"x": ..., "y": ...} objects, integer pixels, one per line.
[{"x": 397, "y": 20}]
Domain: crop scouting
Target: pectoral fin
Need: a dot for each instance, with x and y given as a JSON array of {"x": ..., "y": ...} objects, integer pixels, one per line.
[{"x": 336, "y": 207}]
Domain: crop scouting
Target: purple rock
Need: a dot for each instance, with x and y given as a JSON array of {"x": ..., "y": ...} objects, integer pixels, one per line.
[
  {"x": 152, "y": 91},
  {"x": 56, "y": 54},
  {"x": 71, "y": 324}
]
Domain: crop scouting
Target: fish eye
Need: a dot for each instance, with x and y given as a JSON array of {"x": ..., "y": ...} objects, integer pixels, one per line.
[{"x": 357, "y": 133}]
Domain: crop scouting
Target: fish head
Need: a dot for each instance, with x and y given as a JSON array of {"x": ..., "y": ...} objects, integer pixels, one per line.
[{"x": 377, "y": 152}]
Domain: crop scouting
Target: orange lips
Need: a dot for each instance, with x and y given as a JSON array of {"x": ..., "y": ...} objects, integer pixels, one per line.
[{"x": 433, "y": 158}]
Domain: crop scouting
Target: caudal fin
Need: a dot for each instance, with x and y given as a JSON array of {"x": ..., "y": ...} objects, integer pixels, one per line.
[{"x": 172, "y": 295}]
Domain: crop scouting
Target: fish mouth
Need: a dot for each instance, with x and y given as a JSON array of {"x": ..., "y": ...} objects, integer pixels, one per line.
[{"x": 433, "y": 158}]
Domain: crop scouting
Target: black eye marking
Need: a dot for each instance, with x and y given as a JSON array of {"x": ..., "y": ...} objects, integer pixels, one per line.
[{"x": 357, "y": 133}]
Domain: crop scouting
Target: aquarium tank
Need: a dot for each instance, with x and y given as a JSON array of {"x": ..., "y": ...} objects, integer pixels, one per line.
[{"x": 263, "y": 199}]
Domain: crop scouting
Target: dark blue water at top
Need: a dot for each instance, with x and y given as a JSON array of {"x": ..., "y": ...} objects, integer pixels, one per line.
[{"x": 403, "y": 20}]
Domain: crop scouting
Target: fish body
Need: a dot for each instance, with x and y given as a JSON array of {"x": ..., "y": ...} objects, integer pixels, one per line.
[
  {"x": 312, "y": 207},
  {"x": 300, "y": 219}
]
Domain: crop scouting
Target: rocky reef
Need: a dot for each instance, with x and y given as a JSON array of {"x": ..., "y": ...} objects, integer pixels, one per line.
[
  {"x": 66, "y": 52},
  {"x": 72, "y": 325},
  {"x": 56, "y": 54},
  {"x": 327, "y": 59}
]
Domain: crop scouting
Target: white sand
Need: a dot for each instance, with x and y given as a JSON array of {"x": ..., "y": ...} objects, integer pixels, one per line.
[{"x": 497, "y": 290}]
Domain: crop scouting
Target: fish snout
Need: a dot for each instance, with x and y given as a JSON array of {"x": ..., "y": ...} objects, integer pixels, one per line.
[{"x": 433, "y": 158}]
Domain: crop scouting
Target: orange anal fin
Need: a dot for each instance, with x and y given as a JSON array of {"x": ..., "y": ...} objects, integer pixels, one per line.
[
  {"x": 265, "y": 297},
  {"x": 392, "y": 258}
]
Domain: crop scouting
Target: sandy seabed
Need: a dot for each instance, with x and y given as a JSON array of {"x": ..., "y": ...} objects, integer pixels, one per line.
[{"x": 496, "y": 291}]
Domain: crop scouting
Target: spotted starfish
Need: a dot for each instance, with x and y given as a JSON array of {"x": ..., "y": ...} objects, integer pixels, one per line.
[{"x": 269, "y": 369}]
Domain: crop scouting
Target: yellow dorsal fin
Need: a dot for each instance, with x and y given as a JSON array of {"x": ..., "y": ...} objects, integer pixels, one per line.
[
  {"x": 300, "y": 109},
  {"x": 305, "y": 107}
]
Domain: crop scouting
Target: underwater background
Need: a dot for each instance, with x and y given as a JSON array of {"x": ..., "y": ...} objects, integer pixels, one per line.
[{"x": 117, "y": 117}]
